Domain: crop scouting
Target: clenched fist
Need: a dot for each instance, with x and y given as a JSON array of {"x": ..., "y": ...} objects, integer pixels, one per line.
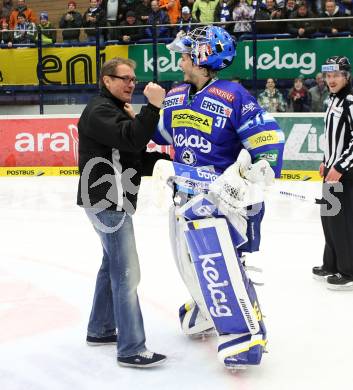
[{"x": 155, "y": 94}]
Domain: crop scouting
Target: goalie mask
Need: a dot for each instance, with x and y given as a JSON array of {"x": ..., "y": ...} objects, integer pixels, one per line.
[{"x": 209, "y": 47}]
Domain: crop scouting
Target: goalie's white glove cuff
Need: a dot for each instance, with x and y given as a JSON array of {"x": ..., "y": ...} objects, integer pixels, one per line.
[{"x": 243, "y": 162}]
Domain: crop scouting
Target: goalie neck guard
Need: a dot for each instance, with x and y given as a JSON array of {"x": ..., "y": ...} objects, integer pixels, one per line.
[{"x": 209, "y": 47}]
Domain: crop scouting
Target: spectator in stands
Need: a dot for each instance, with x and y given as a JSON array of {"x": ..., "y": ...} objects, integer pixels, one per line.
[
  {"x": 187, "y": 3},
  {"x": 130, "y": 33},
  {"x": 242, "y": 12},
  {"x": 25, "y": 31},
  {"x": 72, "y": 19},
  {"x": 21, "y": 8},
  {"x": 143, "y": 11},
  {"x": 203, "y": 11},
  {"x": 346, "y": 7},
  {"x": 157, "y": 17},
  {"x": 318, "y": 95},
  {"x": 184, "y": 22},
  {"x": 46, "y": 28},
  {"x": 315, "y": 6},
  {"x": 332, "y": 26},
  {"x": 272, "y": 9},
  {"x": 6, "y": 36},
  {"x": 128, "y": 5},
  {"x": 303, "y": 28},
  {"x": 271, "y": 98},
  {"x": 223, "y": 13},
  {"x": 94, "y": 17},
  {"x": 269, "y": 11},
  {"x": 289, "y": 7},
  {"x": 113, "y": 15},
  {"x": 6, "y": 9},
  {"x": 298, "y": 97},
  {"x": 173, "y": 9}
]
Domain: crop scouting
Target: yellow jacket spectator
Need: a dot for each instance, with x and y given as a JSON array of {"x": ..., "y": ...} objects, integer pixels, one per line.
[
  {"x": 46, "y": 28},
  {"x": 203, "y": 10}
]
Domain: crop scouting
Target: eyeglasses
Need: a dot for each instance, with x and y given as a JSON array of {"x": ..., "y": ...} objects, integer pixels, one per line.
[{"x": 126, "y": 79}]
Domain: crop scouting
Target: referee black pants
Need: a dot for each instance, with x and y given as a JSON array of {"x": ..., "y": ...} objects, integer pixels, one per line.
[{"x": 338, "y": 229}]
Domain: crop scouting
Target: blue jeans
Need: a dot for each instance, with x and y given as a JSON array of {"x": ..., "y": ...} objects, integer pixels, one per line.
[{"x": 115, "y": 304}]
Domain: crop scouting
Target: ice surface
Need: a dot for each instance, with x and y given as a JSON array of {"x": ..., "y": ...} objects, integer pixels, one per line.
[{"x": 49, "y": 256}]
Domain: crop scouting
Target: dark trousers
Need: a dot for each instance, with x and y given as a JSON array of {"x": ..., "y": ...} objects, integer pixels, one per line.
[{"x": 338, "y": 231}]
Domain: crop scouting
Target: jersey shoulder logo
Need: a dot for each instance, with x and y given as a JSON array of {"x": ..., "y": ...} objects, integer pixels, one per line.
[
  {"x": 172, "y": 101},
  {"x": 226, "y": 95},
  {"x": 216, "y": 107},
  {"x": 247, "y": 108},
  {"x": 181, "y": 88}
]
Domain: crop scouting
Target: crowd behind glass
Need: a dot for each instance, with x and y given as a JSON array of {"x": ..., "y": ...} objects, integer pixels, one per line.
[{"x": 20, "y": 26}]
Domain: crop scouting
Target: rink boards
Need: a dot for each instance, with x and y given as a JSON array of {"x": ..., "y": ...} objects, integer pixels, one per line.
[{"x": 47, "y": 145}]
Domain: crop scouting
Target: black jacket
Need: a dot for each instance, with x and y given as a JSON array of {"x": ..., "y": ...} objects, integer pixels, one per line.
[
  {"x": 308, "y": 25},
  {"x": 338, "y": 150},
  {"x": 76, "y": 23},
  {"x": 135, "y": 33},
  {"x": 101, "y": 20},
  {"x": 117, "y": 143}
]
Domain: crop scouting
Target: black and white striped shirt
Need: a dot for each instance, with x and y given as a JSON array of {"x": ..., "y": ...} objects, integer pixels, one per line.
[{"x": 339, "y": 131}]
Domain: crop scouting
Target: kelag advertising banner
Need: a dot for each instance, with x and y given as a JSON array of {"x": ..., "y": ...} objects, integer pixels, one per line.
[{"x": 281, "y": 58}]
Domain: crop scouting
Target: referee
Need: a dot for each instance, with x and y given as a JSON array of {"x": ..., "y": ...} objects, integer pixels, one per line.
[{"x": 337, "y": 167}]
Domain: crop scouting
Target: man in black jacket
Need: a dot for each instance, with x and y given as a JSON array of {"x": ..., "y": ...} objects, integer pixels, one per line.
[
  {"x": 71, "y": 22},
  {"x": 93, "y": 18},
  {"x": 112, "y": 140},
  {"x": 302, "y": 28},
  {"x": 337, "y": 172},
  {"x": 129, "y": 31}
]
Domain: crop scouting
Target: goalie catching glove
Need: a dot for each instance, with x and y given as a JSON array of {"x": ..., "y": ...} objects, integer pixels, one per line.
[{"x": 242, "y": 183}]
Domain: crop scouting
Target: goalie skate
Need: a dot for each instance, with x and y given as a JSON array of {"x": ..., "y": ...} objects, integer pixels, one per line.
[
  {"x": 204, "y": 334},
  {"x": 246, "y": 352}
]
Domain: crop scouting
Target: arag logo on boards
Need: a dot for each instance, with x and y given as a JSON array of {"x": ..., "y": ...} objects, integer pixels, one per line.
[
  {"x": 56, "y": 142},
  {"x": 304, "y": 63},
  {"x": 53, "y": 141},
  {"x": 304, "y": 143}
]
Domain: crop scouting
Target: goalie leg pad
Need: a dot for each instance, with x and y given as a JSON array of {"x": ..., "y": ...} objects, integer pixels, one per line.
[
  {"x": 193, "y": 322},
  {"x": 221, "y": 276},
  {"x": 228, "y": 294},
  {"x": 194, "y": 317}
]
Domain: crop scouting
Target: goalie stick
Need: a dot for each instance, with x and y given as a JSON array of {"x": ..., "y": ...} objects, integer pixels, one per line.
[{"x": 197, "y": 180}]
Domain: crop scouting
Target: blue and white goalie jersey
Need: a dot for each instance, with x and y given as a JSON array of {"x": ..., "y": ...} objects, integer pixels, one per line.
[{"x": 211, "y": 127}]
